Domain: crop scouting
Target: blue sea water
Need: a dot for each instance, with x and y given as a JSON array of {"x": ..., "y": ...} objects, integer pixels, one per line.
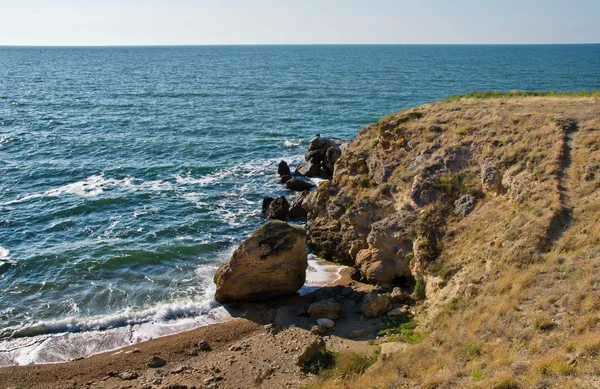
[{"x": 130, "y": 174}]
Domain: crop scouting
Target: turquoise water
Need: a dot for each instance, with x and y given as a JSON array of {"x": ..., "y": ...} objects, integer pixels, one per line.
[{"x": 130, "y": 174}]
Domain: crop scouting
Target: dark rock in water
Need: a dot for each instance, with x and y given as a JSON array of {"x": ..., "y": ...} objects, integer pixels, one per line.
[
  {"x": 309, "y": 169},
  {"x": 298, "y": 185},
  {"x": 283, "y": 169},
  {"x": 278, "y": 208},
  {"x": 285, "y": 178},
  {"x": 156, "y": 362},
  {"x": 297, "y": 211},
  {"x": 272, "y": 262},
  {"x": 464, "y": 205},
  {"x": 266, "y": 202}
]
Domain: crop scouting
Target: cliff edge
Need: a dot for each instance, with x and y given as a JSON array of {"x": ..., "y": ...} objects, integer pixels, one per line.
[{"x": 487, "y": 209}]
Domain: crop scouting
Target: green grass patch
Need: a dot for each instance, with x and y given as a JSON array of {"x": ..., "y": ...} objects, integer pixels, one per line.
[
  {"x": 401, "y": 329},
  {"x": 419, "y": 290},
  {"x": 323, "y": 360},
  {"x": 515, "y": 93},
  {"x": 477, "y": 374}
]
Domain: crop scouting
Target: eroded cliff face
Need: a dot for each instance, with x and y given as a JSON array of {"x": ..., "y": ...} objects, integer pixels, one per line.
[{"x": 407, "y": 186}]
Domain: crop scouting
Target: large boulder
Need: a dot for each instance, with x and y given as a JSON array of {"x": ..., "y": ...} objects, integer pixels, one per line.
[{"x": 272, "y": 262}]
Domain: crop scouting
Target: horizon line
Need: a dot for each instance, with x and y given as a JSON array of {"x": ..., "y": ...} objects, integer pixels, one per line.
[{"x": 298, "y": 44}]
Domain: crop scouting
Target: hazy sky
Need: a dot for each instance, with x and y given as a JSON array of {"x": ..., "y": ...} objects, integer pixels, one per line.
[{"x": 154, "y": 22}]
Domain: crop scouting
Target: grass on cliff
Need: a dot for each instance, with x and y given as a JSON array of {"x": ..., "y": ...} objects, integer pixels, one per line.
[{"x": 517, "y": 93}]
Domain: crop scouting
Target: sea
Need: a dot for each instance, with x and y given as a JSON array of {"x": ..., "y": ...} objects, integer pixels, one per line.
[{"x": 130, "y": 174}]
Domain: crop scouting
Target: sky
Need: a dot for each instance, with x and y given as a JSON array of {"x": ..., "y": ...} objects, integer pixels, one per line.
[{"x": 216, "y": 22}]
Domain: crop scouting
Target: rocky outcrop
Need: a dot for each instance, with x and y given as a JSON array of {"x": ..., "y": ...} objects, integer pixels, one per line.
[
  {"x": 272, "y": 262},
  {"x": 298, "y": 185},
  {"x": 321, "y": 157},
  {"x": 396, "y": 187}
]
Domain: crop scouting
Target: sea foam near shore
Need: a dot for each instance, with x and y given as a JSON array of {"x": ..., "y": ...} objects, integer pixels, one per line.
[{"x": 66, "y": 340}]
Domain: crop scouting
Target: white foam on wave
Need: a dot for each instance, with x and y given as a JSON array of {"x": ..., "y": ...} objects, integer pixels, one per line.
[
  {"x": 4, "y": 256},
  {"x": 95, "y": 185},
  {"x": 75, "y": 337},
  {"x": 292, "y": 143}
]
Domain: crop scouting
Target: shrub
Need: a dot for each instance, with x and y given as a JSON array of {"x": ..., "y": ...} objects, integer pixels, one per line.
[
  {"x": 468, "y": 351},
  {"x": 401, "y": 329},
  {"x": 323, "y": 360},
  {"x": 477, "y": 374},
  {"x": 419, "y": 291}
]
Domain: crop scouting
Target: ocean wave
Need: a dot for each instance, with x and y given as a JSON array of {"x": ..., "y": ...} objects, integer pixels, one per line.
[
  {"x": 4, "y": 257},
  {"x": 292, "y": 143},
  {"x": 95, "y": 185},
  {"x": 161, "y": 313}
]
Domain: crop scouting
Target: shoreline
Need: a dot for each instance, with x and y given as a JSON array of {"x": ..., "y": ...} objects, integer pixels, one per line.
[
  {"x": 64, "y": 347},
  {"x": 266, "y": 337}
]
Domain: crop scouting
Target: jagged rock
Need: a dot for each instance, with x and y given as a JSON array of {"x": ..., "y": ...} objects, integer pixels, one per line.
[
  {"x": 283, "y": 169},
  {"x": 271, "y": 262},
  {"x": 491, "y": 180},
  {"x": 298, "y": 185},
  {"x": 297, "y": 211},
  {"x": 325, "y": 322},
  {"x": 422, "y": 192},
  {"x": 322, "y": 154},
  {"x": 374, "y": 305},
  {"x": 156, "y": 362},
  {"x": 310, "y": 351},
  {"x": 464, "y": 205},
  {"x": 309, "y": 168},
  {"x": 324, "y": 308},
  {"x": 278, "y": 208},
  {"x": 285, "y": 179}
]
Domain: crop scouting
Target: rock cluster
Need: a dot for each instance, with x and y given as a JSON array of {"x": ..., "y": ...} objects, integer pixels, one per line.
[{"x": 321, "y": 157}]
